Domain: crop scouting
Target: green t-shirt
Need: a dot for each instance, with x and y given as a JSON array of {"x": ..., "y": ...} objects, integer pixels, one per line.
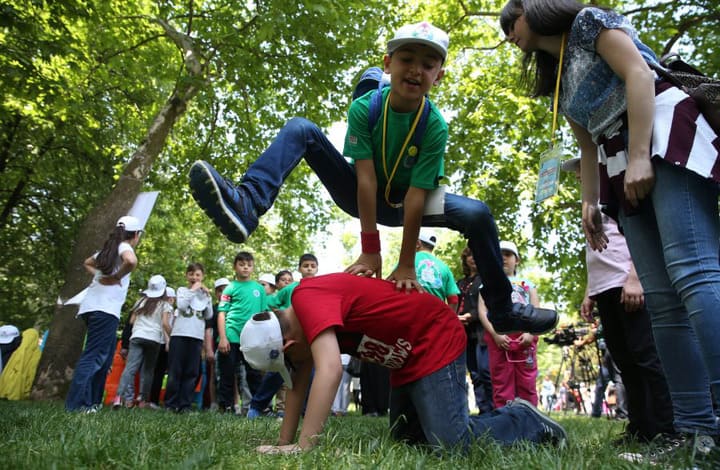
[
  {"x": 281, "y": 299},
  {"x": 240, "y": 301},
  {"x": 361, "y": 145},
  {"x": 435, "y": 276}
]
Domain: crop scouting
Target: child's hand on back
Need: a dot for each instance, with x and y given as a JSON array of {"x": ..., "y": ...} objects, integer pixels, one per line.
[
  {"x": 367, "y": 264},
  {"x": 405, "y": 278}
]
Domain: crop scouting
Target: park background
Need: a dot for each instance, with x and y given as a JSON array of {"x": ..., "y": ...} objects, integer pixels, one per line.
[{"x": 103, "y": 99}]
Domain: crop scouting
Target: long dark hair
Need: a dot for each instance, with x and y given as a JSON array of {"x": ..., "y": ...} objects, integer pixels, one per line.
[
  {"x": 107, "y": 259},
  {"x": 546, "y": 18},
  {"x": 148, "y": 305},
  {"x": 466, "y": 253}
]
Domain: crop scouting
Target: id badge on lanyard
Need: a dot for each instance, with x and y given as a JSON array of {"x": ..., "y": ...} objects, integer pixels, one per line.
[{"x": 549, "y": 173}]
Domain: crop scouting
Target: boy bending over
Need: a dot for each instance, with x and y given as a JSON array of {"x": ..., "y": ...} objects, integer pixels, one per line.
[{"x": 416, "y": 335}]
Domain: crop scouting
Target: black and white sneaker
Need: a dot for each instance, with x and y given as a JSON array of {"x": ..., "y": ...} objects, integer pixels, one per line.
[{"x": 697, "y": 449}]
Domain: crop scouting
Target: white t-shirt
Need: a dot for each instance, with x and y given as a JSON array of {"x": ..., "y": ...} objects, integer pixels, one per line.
[
  {"x": 108, "y": 299},
  {"x": 150, "y": 326},
  {"x": 193, "y": 308}
]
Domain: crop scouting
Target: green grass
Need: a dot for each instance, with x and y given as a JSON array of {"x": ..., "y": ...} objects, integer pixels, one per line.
[{"x": 42, "y": 435}]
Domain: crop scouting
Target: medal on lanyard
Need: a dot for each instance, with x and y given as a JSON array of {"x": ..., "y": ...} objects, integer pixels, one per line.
[
  {"x": 412, "y": 150},
  {"x": 549, "y": 173}
]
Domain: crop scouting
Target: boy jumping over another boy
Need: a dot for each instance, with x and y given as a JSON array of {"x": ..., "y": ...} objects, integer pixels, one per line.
[{"x": 389, "y": 182}]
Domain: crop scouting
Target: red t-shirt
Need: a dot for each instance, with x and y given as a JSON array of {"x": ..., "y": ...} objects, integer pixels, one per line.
[{"x": 412, "y": 334}]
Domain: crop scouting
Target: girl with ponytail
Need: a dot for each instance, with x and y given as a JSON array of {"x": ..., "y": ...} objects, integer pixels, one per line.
[{"x": 100, "y": 309}]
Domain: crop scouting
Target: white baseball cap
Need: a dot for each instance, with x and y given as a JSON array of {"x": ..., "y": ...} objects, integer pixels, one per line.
[
  {"x": 156, "y": 286},
  {"x": 170, "y": 292},
  {"x": 8, "y": 333},
  {"x": 509, "y": 246},
  {"x": 269, "y": 278},
  {"x": 427, "y": 236},
  {"x": 261, "y": 342},
  {"x": 420, "y": 33},
  {"x": 130, "y": 223},
  {"x": 223, "y": 281},
  {"x": 199, "y": 301}
]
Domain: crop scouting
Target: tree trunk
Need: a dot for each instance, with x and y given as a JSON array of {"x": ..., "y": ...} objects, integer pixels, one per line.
[{"x": 65, "y": 340}]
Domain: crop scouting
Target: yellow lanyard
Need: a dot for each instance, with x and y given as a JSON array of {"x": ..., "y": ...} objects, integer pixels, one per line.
[
  {"x": 402, "y": 150},
  {"x": 557, "y": 89}
]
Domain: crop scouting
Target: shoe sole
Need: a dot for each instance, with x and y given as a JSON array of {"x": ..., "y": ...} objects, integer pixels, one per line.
[
  {"x": 207, "y": 194},
  {"x": 561, "y": 441},
  {"x": 537, "y": 333}
]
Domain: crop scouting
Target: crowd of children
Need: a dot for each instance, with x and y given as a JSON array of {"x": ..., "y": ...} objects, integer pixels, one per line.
[
  {"x": 303, "y": 328},
  {"x": 203, "y": 353}
]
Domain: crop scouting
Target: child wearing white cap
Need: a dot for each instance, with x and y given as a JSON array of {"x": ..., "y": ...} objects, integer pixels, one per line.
[
  {"x": 145, "y": 343},
  {"x": 194, "y": 306},
  {"x": 397, "y": 164},
  {"x": 433, "y": 274},
  {"x": 418, "y": 337},
  {"x": 100, "y": 309}
]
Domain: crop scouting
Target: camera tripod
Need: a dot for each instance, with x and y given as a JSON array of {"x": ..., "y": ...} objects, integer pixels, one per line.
[{"x": 582, "y": 364}]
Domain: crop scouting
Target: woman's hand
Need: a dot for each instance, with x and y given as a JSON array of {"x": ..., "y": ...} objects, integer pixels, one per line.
[
  {"x": 593, "y": 226},
  {"x": 639, "y": 180}
]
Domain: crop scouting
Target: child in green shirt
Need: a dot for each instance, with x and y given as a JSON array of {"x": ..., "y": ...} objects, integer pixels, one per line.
[
  {"x": 240, "y": 300},
  {"x": 390, "y": 180}
]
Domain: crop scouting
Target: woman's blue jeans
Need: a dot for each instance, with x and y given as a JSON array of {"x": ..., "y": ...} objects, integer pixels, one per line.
[
  {"x": 434, "y": 410},
  {"x": 301, "y": 138},
  {"x": 674, "y": 243},
  {"x": 88, "y": 383}
]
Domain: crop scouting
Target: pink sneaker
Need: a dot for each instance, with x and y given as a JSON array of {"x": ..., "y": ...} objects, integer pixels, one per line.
[{"x": 117, "y": 402}]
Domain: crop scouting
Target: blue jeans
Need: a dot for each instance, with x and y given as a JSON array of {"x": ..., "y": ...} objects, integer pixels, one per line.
[
  {"x": 88, "y": 383},
  {"x": 434, "y": 410},
  {"x": 600, "y": 385},
  {"x": 674, "y": 245},
  {"x": 481, "y": 379},
  {"x": 301, "y": 138},
  {"x": 271, "y": 383}
]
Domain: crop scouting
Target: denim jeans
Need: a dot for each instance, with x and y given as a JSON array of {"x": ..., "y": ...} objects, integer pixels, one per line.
[
  {"x": 271, "y": 383},
  {"x": 301, "y": 138},
  {"x": 481, "y": 378},
  {"x": 88, "y": 383},
  {"x": 674, "y": 245},
  {"x": 434, "y": 410},
  {"x": 141, "y": 353},
  {"x": 599, "y": 394}
]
